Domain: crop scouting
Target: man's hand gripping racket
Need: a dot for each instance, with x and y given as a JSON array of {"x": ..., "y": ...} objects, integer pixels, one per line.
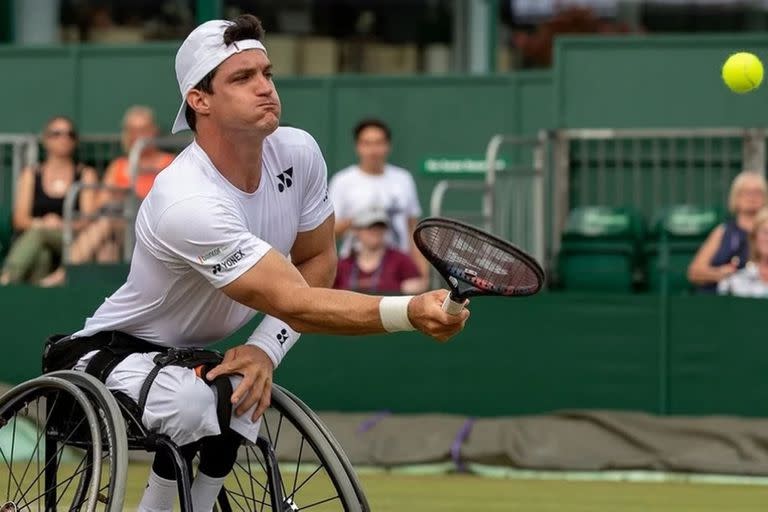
[{"x": 475, "y": 263}]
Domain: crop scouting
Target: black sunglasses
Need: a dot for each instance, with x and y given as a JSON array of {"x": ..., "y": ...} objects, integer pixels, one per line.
[{"x": 61, "y": 133}]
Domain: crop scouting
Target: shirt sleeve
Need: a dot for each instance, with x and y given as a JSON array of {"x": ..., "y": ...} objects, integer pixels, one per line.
[
  {"x": 413, "y": 207},
  {"x": 316, "y": 206},
  {"x": 209, "y": 235},
  {"x": 337, "y": 199}
]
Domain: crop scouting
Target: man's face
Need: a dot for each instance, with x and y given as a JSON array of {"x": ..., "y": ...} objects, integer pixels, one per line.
[
  {"x": 244, "y": 95},
  {"x": 137, "y": 126},
  {"x": 372, "y": 146}
]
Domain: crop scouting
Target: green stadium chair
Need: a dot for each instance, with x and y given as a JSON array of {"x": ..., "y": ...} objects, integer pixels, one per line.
[
  {"x": 600, "y": 249},
  {"x": 680, "y": 230}
]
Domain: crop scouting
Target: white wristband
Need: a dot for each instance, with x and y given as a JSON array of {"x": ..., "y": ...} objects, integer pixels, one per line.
[
  {"x": 394, "y": 313},
  {"x": 274, "y": 337}
]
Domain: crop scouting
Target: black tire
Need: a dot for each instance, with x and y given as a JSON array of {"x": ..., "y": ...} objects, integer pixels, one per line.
[
  {"x": 62, "y": 403},
  {"x": 113, "y": 433},
  {"x": 334, "y": 476}
]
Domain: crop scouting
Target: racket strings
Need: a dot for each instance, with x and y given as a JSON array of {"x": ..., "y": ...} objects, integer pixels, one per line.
[{"x": 478, "y": 261}]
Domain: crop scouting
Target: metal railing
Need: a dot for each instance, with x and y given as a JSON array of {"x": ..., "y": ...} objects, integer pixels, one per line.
[
  {"x": 129, "y": 202},
  {"x": 71, "y": 217},
  {"x": 17, "y": 151},
  {"x": 511, "y": 198},
  {"x": 649, "y": 169}
]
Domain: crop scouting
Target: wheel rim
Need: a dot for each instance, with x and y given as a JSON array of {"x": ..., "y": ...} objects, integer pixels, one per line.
[
  {"x": 305, "y": 480},
  {"x": 48, "y": 457}
]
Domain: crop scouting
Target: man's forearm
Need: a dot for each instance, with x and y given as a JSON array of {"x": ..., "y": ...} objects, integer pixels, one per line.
[{"x": 332, "y": 312}]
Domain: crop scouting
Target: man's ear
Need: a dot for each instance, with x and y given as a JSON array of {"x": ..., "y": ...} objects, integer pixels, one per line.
[{"x": 198, "y": 101}]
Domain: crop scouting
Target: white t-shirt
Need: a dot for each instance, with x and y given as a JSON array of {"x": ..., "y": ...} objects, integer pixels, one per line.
[
  {"x": 196, "y": 232},
  {"x": 354, "y": 191},
  {"x": 744, "y": 283}
]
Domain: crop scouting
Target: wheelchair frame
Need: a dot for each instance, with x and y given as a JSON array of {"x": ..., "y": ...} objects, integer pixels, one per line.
[{"x": 115, "y": 420}]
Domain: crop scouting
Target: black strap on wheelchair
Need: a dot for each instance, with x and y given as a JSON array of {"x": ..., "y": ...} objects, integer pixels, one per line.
[
  {"x": 193, "y": 358},
  {"x": 63, "y": 352}
]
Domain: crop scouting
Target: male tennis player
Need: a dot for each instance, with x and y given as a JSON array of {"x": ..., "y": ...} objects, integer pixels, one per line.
[{"x": 212, "y": 244}]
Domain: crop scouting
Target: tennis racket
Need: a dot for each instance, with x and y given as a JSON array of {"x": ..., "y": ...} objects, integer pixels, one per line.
[{"x": 475, "y": 263}]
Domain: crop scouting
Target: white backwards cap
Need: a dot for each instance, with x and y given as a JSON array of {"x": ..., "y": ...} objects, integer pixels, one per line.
[{"x": 199, "y": 54}]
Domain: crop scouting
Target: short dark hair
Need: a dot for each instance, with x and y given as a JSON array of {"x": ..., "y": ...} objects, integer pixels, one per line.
[
  {"x": 372, "y": 123},
  {"x": 245, "y": 26}
]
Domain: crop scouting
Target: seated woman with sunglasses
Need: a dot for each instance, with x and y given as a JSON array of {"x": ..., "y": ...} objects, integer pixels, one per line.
[{"x": 39, "y": 206}]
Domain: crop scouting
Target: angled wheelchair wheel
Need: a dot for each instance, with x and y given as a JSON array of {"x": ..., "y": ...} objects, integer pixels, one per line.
[
  {"x": 114, "y": 462},
  {"x": 51, "y": 448},
  {"x": 296, "y": 465}
]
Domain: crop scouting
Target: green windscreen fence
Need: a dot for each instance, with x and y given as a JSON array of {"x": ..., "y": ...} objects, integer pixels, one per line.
[{"x": 701, "y": 355}]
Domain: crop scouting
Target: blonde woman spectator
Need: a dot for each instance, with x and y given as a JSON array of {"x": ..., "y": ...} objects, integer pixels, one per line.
[
  {"x": 752, "y": 280},
  {"x": 726, "y": 249},
  {"x": 39, "y": 204},
  {"x": 102, "y": 240}
]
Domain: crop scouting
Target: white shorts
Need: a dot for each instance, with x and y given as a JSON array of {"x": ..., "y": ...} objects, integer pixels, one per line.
[{"x": 179, "y": 404}]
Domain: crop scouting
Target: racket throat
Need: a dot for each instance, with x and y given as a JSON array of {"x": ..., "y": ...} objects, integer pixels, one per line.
[{"x": 460, "y": 291}]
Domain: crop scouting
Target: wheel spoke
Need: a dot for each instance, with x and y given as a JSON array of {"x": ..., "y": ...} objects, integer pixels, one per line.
[
  {"x": 60, "y": 450},
  {"x": 13, "y": 477},
  {"x": 306, "y": 480},
  {"x": 254, "y": 500},
  {"x": 66, "y": 481},
  {"x": 247, "y": 472},
  {"x": 39, "y": 436},
  {"x": 326, "y": 500},
  {"x": 77, "y": 469},
  {"x": 277, "y": 435},
  {"x": 248, "y": 461},
  {"x": 13, "y": 444},
  {"x": 298, "y": 463}
]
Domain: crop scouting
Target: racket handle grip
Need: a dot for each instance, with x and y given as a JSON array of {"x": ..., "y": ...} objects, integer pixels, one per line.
[{"x": 452, "y": 307}]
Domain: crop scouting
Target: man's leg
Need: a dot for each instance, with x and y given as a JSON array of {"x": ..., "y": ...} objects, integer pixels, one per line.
[
  {"x": 161, "y": 491},
  {"x": 217, "y": 458},
  {"x": 179, "y": 405}
]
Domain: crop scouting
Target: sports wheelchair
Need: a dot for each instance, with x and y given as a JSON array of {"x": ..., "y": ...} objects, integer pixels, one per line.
[{"x": 64, "y": 442}]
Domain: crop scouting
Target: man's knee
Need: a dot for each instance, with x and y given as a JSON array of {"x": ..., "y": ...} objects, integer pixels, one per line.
[{"x": 181, "y": 406}]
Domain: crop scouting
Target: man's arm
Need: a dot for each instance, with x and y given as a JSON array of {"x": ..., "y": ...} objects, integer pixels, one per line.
[
  {"x": 276, "y": 287},
  {"x": 314, "y": 255}
]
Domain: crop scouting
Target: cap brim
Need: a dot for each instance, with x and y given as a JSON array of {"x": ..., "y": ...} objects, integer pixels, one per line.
[{"x": 180, "y": 123}]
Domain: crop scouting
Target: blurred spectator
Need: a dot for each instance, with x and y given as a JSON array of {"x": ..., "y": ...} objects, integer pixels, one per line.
[
  {"x": 39, "y": 206},
  {"x": 752, "y": 280},
  {"x": 726, "y": 249},
  {"x": 375, "y": 184},
  {"x": 101, "y": 241},
  {"x": 536, "y": 48},
  {"x": 373, "y": 267}
]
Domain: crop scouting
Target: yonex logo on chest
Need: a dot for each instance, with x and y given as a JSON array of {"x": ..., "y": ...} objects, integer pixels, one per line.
[{"x": 286, "y": 179}]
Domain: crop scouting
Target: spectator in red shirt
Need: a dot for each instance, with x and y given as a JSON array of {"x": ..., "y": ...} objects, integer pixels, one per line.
[{"x": 374, "y": 268}]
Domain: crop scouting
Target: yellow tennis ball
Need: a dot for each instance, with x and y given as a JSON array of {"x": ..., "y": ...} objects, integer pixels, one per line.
[{"x": 742, "y": 72}]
